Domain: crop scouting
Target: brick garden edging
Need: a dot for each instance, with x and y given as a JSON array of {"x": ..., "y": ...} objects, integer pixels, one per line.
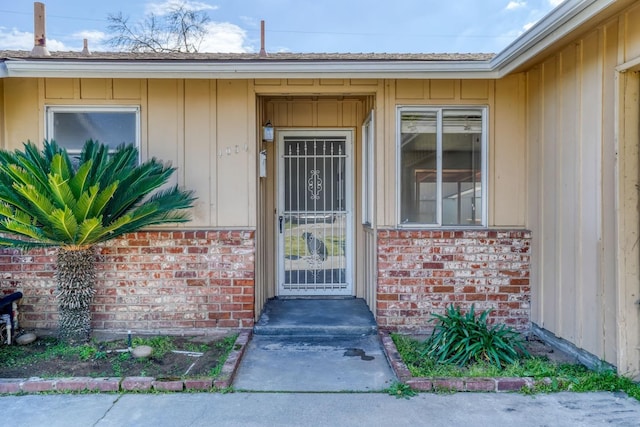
[
  {"x": 495, "y": 385},
  {"x": 115, "y": 384}
]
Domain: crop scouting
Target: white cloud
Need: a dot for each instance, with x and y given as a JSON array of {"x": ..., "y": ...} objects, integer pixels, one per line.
[
  {"x": 516, "y": 4},
  {"x": 55, "y": 45},
  {"x": 224, "y": 37},
  {"x": 166, "y": 7},
  {"x": 96, "y": 39},
  {"x": 94, "y": 36},
  {"x": 13, "y": 39}
]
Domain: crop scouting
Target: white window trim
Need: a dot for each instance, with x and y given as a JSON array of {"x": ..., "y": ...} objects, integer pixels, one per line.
[
  {"x": 484, "y": 158},
  {"x": 368, "y": 165},
  {"x": 50, "y": 110}
]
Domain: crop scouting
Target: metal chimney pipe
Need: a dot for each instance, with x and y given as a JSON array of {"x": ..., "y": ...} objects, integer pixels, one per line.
[
  {"x": 263, "y": 52},
  {"x": 39, "y": 33}
]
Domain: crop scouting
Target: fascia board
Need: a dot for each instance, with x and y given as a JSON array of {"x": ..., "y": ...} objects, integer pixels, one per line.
[
  {"x": 243, "y": 70},
  {"x": 563, "y": 20},
  {"x": 552, "y": 28}
]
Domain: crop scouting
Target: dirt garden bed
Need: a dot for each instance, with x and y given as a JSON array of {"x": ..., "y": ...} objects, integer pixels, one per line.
[{"x": 176, "y": 363}]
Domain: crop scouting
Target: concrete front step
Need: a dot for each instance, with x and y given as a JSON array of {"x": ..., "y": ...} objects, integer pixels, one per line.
[{"x": 316, "y": 317}]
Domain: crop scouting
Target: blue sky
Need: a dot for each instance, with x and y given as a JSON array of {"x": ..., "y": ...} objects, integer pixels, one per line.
[{"x": 356, "y": 26}]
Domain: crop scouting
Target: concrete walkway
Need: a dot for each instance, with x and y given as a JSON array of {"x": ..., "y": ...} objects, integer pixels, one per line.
[
  {"x": 312, "y": 364},
  {"x": 314, "y": 345},
  {"x": 320, "y": 409}
]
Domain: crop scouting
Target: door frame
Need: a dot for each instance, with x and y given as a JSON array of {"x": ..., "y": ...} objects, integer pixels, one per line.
[{"x": 349, "y": 135}]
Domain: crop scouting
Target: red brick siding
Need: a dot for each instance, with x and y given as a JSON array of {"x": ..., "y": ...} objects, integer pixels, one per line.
[
  {"x": 421, "y": 272},
  {"x": 149, "y": 281}
]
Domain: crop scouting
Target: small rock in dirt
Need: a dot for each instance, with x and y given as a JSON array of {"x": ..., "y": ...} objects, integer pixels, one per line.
[
  {"x": 26, "y": 338},
  {"x": 141, "y": 351}
]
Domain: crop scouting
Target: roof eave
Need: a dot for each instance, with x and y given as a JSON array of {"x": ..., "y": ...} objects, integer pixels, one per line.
[
  {"x": 249, "y": 69},
  {"x": 552, "y": 29},
  {"x": 562, "y": 21}
]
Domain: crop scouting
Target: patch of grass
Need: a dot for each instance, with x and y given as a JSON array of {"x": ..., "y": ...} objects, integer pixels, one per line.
[
  {"x": 86, "y": 352},
  {"x": 226, "y": 344},
  {"x": 561, "y": 377},
  {"x": 296, "y": 245},
  {"x": 14, "y": 356},
  {"x": 196, "y": 347}
]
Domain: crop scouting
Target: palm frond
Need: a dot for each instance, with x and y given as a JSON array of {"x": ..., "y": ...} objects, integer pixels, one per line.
[
  {"x": 26, "y": 244},
  {"x": 49, "y": 200},
  {"x": 39, "y": 200},
  {"x": 26, "y": 230},
  {"x": 80, "y": 181},
  {"x": 61, "y": 166},
  {"x": 61, "y": 192},
  {"x": 8, "y": 212},
  {"x": 98, "y": 207},
  {"x": 136, "y": 185},
  {"x": 89, "y": 231},
  {"x": 64, "y": 225}
]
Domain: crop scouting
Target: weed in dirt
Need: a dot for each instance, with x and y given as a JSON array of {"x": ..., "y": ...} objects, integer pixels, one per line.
[
  {"x": 47, "y": 357},
  {"x": 401, "y": 391},
  {"x": 196, "y": 347},
  {"x": 225, "y": 345}
]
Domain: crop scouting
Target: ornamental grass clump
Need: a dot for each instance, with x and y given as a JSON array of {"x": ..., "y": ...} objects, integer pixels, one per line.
[{"x": 464, "y": 338}]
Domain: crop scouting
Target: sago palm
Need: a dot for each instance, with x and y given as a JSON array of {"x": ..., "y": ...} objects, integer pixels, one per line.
[{"x": 48, "y": 199}]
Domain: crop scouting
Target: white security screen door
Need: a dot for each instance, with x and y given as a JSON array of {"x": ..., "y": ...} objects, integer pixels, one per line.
[{"x": 315, "y": 213}]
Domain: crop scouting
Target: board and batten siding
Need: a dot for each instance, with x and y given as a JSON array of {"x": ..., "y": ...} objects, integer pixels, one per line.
[
  {"x": 582, "y": 195},
  {"x": 200, "y": 126},
  {"x": 207, "y": 128}
]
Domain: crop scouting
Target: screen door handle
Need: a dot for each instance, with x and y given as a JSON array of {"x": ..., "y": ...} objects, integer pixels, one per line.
[{"x": 280, "y": 220}]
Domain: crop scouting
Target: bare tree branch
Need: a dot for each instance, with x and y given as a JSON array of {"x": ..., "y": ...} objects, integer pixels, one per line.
[{"x": 181, "y": 30}]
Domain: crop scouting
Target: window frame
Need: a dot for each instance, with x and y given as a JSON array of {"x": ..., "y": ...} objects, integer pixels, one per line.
[
  {"x": 368, "y": 165},
  {"x": 50, "y": 111},
  {"x": 438, "y": 110}
]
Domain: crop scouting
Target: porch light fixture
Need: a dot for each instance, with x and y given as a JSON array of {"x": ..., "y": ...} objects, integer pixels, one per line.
[{"x": 267, "y": 132}]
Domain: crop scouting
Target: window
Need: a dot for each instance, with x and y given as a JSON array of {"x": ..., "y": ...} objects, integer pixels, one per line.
[
  {"x": 367, "y": 170},
  {"x": 442, "y": 166},
  {"x": 72, "y": 126}
]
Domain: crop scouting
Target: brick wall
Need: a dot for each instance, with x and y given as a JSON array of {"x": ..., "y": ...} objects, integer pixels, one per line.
[
  {"x": 421, "y": 272},
  {"x": 155, "y": 281}
]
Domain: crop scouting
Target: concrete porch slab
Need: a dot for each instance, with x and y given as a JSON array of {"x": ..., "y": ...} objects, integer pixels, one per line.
[{"x": 322, "y": 316}]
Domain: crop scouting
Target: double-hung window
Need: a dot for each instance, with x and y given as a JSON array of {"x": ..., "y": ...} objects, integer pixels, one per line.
[
  {"x": 442, "y": 164},
  {"x": 72, "y": 126}
]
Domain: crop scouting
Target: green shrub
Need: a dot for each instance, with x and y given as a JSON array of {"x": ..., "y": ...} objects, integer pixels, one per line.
[{"x": 463, "y": 338}]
